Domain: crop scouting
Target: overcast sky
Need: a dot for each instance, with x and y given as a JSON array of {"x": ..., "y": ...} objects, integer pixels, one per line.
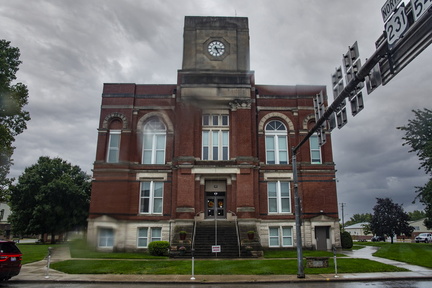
[{"x": 70, "y": 48}]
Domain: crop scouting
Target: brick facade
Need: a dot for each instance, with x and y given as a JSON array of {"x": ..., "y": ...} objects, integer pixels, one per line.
[{"x": 187, "y": 178}]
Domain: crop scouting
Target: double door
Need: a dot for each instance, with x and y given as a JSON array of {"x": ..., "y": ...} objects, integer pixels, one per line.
[{"x": 215, "y": 205}]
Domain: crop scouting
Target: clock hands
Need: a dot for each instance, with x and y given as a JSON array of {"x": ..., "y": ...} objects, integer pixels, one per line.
[{"x": 216, "y": 48}]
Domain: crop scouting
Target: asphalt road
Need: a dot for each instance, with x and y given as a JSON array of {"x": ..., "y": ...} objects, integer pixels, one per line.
[{"x": 333, "y": 284}]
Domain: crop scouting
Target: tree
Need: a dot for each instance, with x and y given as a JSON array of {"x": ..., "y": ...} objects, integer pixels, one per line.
[
  {"x": 51, "y": 197},
  {"x": 389, "y": 219},
  {"x": 359, "y": 218},
  {"x": 346, "y": 240},
  {"x": 12, "y": 116},
  {"x": 418, "y": 135},
  {"x": 366, "y": 228},
  {"x": 416, "y": 215}
]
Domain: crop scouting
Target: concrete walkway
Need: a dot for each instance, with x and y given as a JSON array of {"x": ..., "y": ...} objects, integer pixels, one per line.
[
  {"x": 38, "y": 272},
  {"x": 367, "y": 251}
]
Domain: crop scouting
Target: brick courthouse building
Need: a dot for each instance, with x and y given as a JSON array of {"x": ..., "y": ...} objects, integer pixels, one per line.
[{"x": 213, "y": 148}]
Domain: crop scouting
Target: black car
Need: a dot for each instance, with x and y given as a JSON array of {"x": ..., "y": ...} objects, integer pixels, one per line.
[
  {"x": 10, "y": 260},
  {"x": 378, "y": 239}
]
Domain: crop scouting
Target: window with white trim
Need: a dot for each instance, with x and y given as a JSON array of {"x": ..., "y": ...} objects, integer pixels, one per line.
[
  {"x": 113, "y": 146},
  {"x": 315, "y": 150},
  {"x": 106, "y": 237},
  {"x": 151, "y": 197},
  {"x": 147, "y": 235},
  {"x": 215, "y": 137},
  {"x": 279, "y": 197},
  {"x": 154, "y": 142},
  {"x": 276, "y": 143},
  {"x": 280, "y": 237}
]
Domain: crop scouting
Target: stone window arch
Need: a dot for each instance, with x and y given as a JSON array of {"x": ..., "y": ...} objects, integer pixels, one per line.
[
  {"x": 307, "y": 120},
  {"x": 162, "y": 116},
  {"x": 281, "y": 116},
  {"x": 116, "y": 115}
]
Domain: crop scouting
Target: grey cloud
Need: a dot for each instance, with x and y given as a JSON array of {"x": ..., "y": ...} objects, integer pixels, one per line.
[{"x": 70, "y": 48}]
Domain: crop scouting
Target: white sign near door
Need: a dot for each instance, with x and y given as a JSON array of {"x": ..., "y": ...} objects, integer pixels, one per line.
[{"x": 216, "y": 248}]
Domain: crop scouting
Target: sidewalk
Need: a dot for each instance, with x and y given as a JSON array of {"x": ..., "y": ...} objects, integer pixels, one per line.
[{"x": 37, "y": 272}]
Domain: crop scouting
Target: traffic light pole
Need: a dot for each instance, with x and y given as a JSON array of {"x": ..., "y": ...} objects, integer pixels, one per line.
[
  {"x": 297, "y": 203},
  {"x": 359, "y": 77},
  {"x": 405, "y": 50}
]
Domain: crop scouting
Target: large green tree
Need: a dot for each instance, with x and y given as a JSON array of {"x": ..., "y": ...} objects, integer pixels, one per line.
[
  {"x": 13, "y": 97},
  {"x": 416, "y": 215},
  {"x": 359, "y": 218},
  {"x": 50, "y": 197},
  {"x": 389, "y": 219},
  {"x": 418, "y": 135}
]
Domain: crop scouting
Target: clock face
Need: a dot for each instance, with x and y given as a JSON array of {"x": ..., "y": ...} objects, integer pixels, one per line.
[{"x": 216, "y": 48}]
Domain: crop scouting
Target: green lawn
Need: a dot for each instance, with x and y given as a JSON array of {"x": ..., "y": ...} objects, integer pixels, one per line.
[
  {"x": 412, "y": 253},
  {"x": 292, "y": 253},
  {"x": 215, "y": 267},
  {"x": 143, "y": 263},
  {"x": 34, "y": 252}
]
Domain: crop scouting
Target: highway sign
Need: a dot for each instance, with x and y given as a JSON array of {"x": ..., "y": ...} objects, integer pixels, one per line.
[
  {"x": 420, "y": 7},
  {"x": 415, "y": 40},
  {"x": 396, "y": 26},
  {"x": 388, "y": 8}
]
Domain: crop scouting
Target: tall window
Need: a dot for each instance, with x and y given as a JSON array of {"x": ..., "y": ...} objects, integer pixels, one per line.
[
  {"x": 280, "y": 236},
  {"x": 147, "y": 235},
  {"x": 276, "y": 143},
  {"x": 151, "y": 197},
  {"x": 315, "y": 150},
  {"x": 215, "y": 137},
  {"x": 154, "y": 140},
  {"x": 106, "y": 237},
  {"x": 279, "y": 200},
  {"x": 113, "y": 146}
]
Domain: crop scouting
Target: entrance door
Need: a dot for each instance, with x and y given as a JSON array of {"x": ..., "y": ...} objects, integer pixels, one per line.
[
  {"x": 322, "y": 234},
  {"x": 215, "y": 205}
]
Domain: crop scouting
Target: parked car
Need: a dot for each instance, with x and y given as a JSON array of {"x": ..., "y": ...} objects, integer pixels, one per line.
[
  {"x": 424, "y": 237},
  {"x": 378, "y": 238},
  {"x": 10, "y": 260}
]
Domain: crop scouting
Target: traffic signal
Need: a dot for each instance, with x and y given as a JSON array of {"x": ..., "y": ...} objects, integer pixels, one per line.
[
  {"x": 319, "y": 107},
  {"x": 321, "y": 136},
  {"x": 331, "y": 122},
  {"x": 341, "y": 118},
  {"x": 338, "y": 86},
  {"x": 356, "y": 102},
  {"x": 373, "y": 80},
  {"x": 351, "y": 56},
  {"x": 352, "y": 65}
]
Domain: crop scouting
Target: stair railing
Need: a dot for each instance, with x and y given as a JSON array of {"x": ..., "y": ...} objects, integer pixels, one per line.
[
  {"x": 237, "y": 232},
  {"x": 194, "y": 230}
]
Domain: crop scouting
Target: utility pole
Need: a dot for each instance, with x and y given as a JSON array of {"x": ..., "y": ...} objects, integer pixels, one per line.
[{"x": 343, "y": 221}]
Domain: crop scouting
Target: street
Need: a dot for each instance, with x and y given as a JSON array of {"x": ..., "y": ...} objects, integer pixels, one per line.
[{"x": 354, "y": 284}]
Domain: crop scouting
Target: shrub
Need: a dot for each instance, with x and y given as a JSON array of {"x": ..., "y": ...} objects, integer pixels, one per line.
[
  {"x": 158, "y": 248},
  {"x": 346, "y": 239}
]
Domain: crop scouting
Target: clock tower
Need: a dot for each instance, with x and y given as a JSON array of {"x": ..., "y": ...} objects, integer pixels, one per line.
[
  {"x": 216, "y": 43},
  {"x": 215, "y": 59}
]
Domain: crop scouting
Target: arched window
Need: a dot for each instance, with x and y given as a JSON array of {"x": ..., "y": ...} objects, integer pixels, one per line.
[
  {"x": 154, "y": 142},
  {"x": 276, "y": 143}
]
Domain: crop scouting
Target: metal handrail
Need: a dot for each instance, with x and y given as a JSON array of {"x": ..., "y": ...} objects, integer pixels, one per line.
[
  {"x": 237, "y": 232},
  {"x": 194, "y": 230}
]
